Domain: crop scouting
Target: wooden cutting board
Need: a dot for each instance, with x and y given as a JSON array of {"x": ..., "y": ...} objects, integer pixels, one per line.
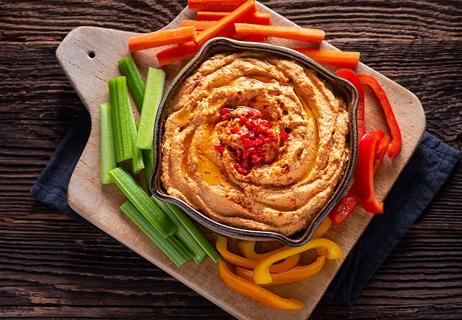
[{"x": 89, "y": 56}]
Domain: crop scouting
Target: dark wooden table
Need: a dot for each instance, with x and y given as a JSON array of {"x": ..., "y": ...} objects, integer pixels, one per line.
[{"x": 54, "y": 267}]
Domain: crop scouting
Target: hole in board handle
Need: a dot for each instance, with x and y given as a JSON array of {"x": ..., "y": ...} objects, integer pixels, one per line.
[{"x": 91, "y": 54}]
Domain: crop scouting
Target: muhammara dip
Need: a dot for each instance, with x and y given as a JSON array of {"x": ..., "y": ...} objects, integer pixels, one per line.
[{"x": 256, "y": 142}]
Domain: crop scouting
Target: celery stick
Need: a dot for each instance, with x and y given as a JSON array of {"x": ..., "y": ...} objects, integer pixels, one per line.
[
  {"x": 121, "y": 115},
  {"x": 152, "y": 96},
  {"x": 137, "y": 161},
  {"x": 135, "y": 83},
  {"x": 148, "y": 158},
  {"x": 151, "y": 212},
  {"x": 197, "y": 235},
  {"x": 106, "y": 144},
  {"x": 170, "y": 246},
  {"x": 183, "y": 234}
]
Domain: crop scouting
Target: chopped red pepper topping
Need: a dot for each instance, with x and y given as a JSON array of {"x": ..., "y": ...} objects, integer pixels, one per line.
[
  {"x": 235, "y": 129},
  {"x": 225, "y": 111},
  {"x": 254, "y": 133},
  {"x": 225, "y": 114},
  {"x": 219, "y": 148},
  {"x": 284, "y": 135},
  {"x": 240, "y": 169},
  {"x": 238, "y": 154}
]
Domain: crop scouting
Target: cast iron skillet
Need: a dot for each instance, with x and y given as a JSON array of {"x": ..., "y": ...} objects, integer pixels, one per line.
[{"x": 225, "y": 45}]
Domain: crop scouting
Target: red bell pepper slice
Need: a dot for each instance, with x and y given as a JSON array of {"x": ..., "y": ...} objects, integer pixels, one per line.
[
  {"x": 364, "y": 174},
  {"x": 344, "y": 207},
  {"x": 347, "y": 204},
  {"x": 396, "y": 143},
  {"x": 352, "y": 77},
  {"x": 380, "y": 150}
]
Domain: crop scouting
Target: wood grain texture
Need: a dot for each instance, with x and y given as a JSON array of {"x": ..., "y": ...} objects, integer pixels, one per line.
[
  {"x": 100, "y": 204},
  {"x": 53, "y": 267}
]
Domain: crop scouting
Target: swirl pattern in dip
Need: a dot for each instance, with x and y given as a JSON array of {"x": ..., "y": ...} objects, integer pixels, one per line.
[{"x": 256, "y": 142}]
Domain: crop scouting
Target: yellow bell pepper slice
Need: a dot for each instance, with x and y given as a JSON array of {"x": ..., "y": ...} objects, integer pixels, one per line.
[
  {"x": 285, "y": 265},
  {"x": 247, "y": 248},
  {"x": 323, "y": 228},
  {"x": 321, "y": 231},
  {"x": 295, "y": 274},
  {"x": 237, "y": 260},
  {"x": 255, "y": 292},
  {"x": 262, "y": 275}
]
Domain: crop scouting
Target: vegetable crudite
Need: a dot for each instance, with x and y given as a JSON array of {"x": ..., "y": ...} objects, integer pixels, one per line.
[
  {"x": 229, "y": 128},
  {"x": 122, "y": 139}
]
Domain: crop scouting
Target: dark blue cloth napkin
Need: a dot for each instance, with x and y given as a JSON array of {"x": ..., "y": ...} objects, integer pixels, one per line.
[{"x": 423, "y": 177}]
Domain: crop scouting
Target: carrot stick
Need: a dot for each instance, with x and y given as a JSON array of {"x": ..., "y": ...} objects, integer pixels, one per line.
[
  {"x": 225, "y": 26},
  {"x": 343, "y": 59},
  {"x": 210, "y": 18},
  {"x": 211, "y": 15},
  {"x": 177, "y": 53},
  {"x": 257, "y": 18},
  {"x": 261, "y": 18},
  {"x": 214, "y": 5},
  {"x": 198, "y": 24},
  {"x": 304, "y": 34},
  {"x": 161, "y": 38}
]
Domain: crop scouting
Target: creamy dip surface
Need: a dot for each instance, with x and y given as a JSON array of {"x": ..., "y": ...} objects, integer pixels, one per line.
[{"x": 255, "y": 142}]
